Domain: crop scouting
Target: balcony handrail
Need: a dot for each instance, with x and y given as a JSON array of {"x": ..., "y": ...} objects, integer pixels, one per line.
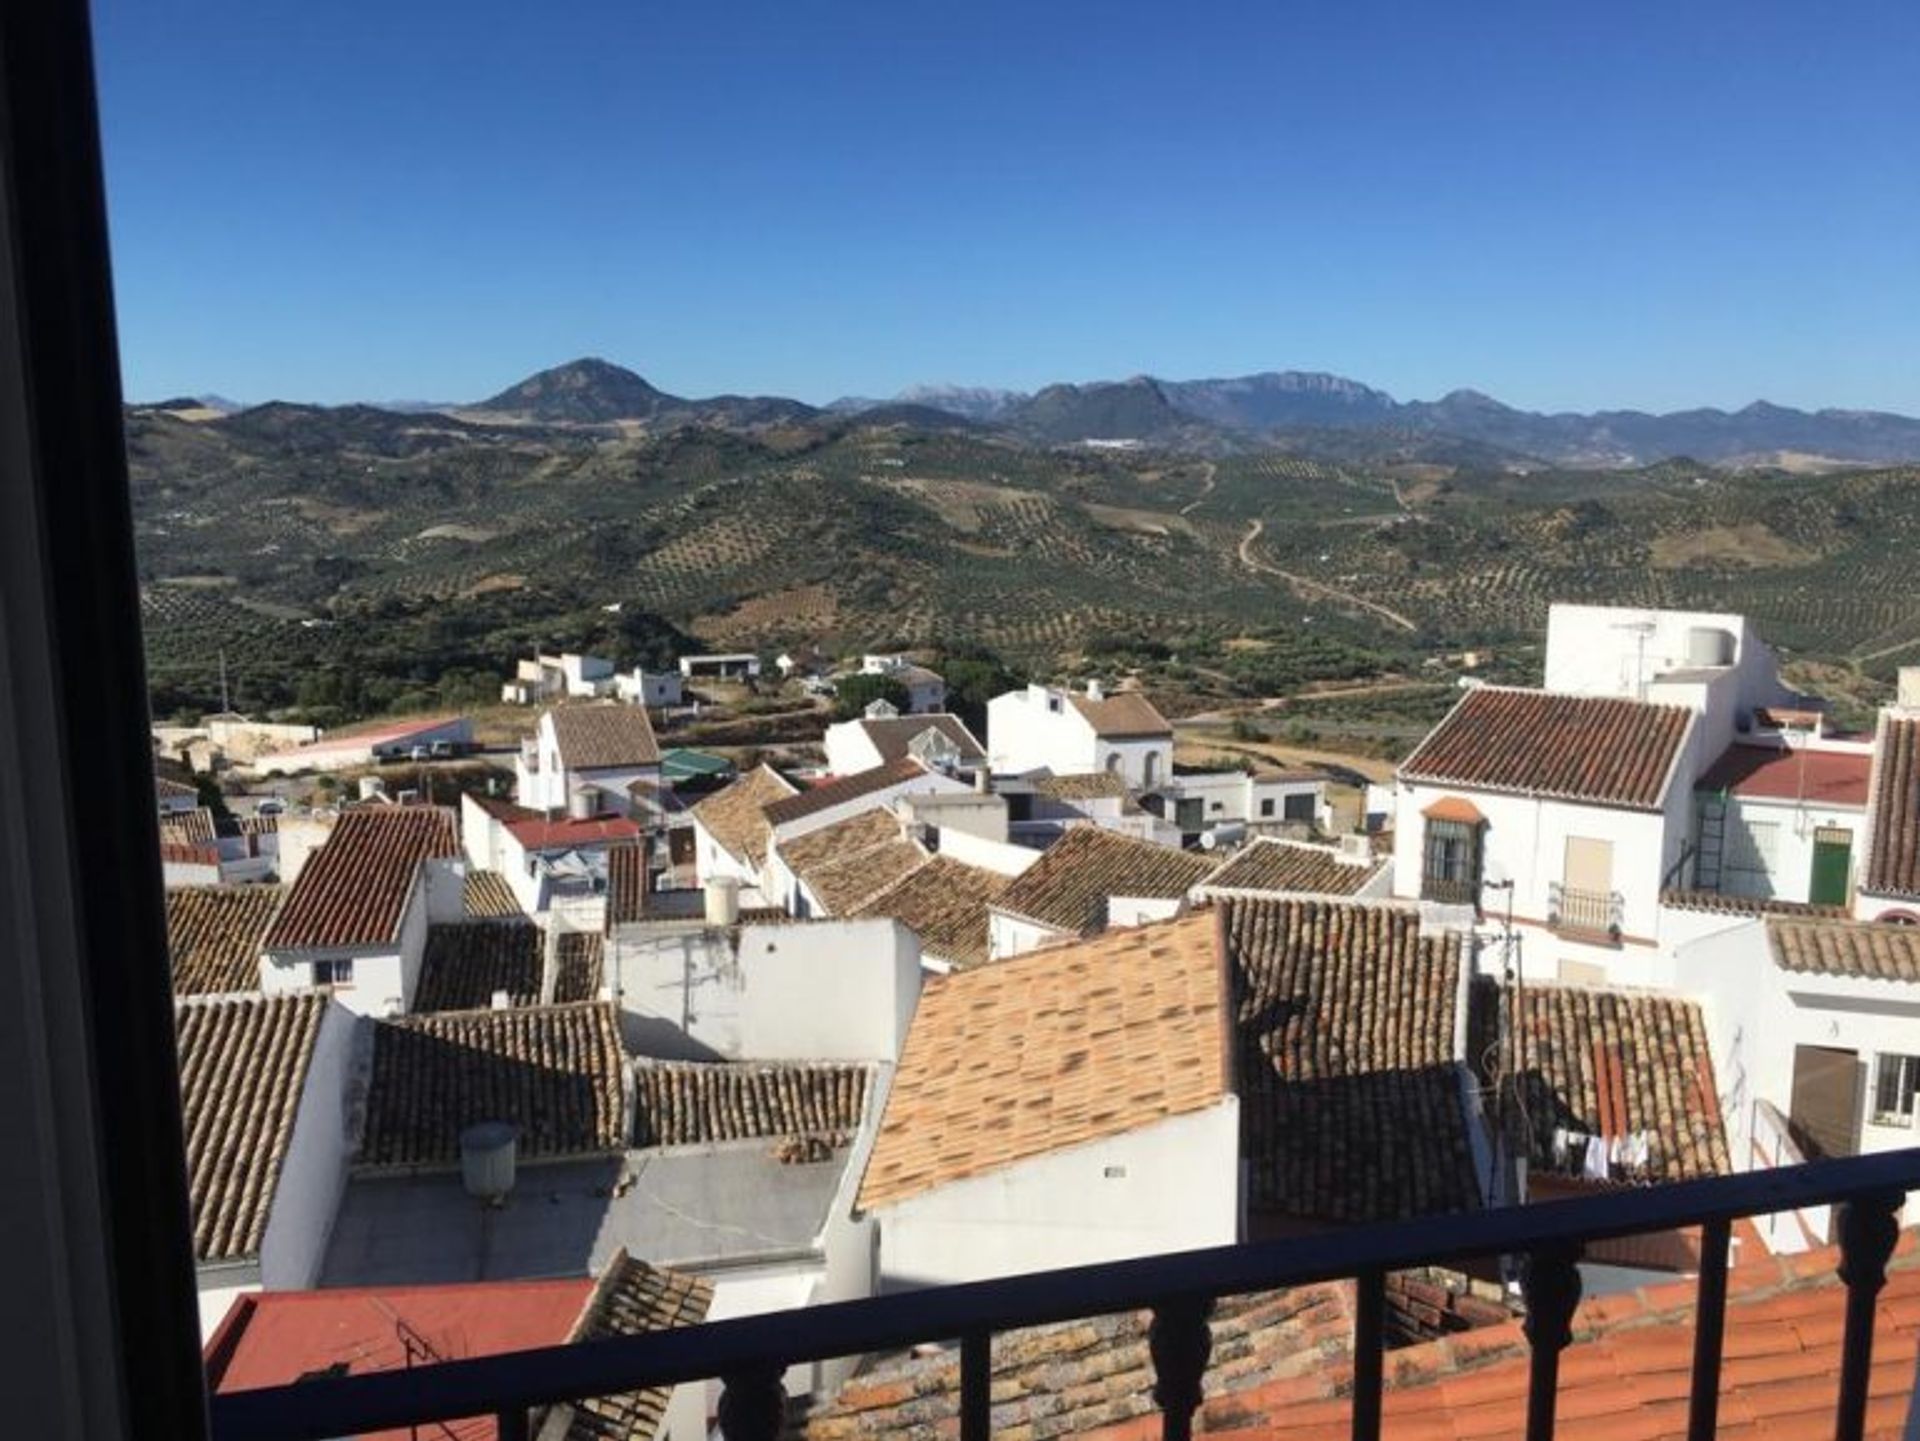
[{"x": 769, "y": 1343}]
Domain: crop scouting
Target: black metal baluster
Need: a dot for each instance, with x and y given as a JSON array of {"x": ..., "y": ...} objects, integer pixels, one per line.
[
  {"x": 1709, "y": 1330},
  {"x": 511, "y": 1424},
  {"x": 1179, "y": 1340},
  {"x": 1550, "y": 1282},
  {"x": 753, "y": 1405},
  {"x": 976, "y": 1386},
  {"x": 1369, "y": 1315},
  {"x": 1869, "y": 1227}
]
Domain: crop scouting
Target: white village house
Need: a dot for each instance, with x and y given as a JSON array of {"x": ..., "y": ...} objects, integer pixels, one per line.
[
  {"x": 356, "y": 921},
  {"x": 1571, "y": 809},
  {"x": 603, "y": 747},
  {"x": 926, "y": 689},
  {"x": 264, "y": 1098},
  {"x": 1064, "y": 732}
]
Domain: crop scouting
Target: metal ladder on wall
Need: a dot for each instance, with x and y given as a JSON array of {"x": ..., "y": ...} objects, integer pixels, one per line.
[{"x": 1713, "y": 836}]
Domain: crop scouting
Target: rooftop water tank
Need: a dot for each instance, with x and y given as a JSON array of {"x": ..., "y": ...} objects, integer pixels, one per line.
[
  {"x": 486, "y": 1160},
  {"x": 582, "y": 803},
  {"x": 1227, "y": 833},
  {"x": 1709, "y": 646}
]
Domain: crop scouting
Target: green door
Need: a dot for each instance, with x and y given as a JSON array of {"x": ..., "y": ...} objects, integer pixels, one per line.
[{"x": 1832, "y": 866}]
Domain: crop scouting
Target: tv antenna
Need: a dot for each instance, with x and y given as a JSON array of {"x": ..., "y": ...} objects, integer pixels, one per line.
[{"x": 1639, "y": 630}]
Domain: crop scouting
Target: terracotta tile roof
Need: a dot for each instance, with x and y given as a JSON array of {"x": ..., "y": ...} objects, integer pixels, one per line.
[
  {"x": 188, "y": 828},
  {"x": 626, "y": 884},
  {"x": 1719, "y": 903},
  {"x": 1126, "y": 716},
  {"x": 631, "y": 1298},
  {"x": 1627, "y": 1374},
  {"x": 1067, "y": 888},
  {"x": 842, "y": 789},
  {"x": 1092, "y": 786},
  {"x": 259, "y": 825},
  {"x": 1832, "y": 778},
  {"x": 486, "y": 897},
  {"x": 465, "y": 964},
  {"x": 1292, "y": 867},
  {"x": 353, "y": 890},
  {"x": 1351, "y": 1101},
  {"x": 847, "y": 862},
  {"x": 943, "y": 902},
  {"x": 568, "y": 832},
  {"x": 1893, "y": 815},
  {"x": 692, "y": 1103},
  {"x": 735, "y": 815},
  {"x": 1050, "y": 1050},
  {"x": 1863, "y": 949},
  {"x": 604, "y": 737},
  {"x": 892, "y": 736},
  {"x": 243, "y": 1066},
  {"x": 277, "y": 1338},
  {"x": 1080, "y": 1376},
  {"x": 214, "y": 933},
  {"x": 1597, "y": 750},
  {"x": 1604, "y": 1062},
  {"x": 580, "y": 962},
  {"x": 553, "y": 1071}
]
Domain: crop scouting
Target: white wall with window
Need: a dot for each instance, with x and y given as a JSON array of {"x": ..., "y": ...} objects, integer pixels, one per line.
[
  {"x": 1769, "y": 847},
  {"x": 1759, "y": 1017},
  {"x": 1529, "y": 843}
]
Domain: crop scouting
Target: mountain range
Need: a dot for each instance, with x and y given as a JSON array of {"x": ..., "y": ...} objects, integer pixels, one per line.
[{"x": 1303, "y": 411}]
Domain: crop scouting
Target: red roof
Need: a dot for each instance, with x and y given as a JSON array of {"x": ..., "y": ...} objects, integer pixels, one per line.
[
  {"x": 1627, "y": 1375},
  {"x": 274, "y": 1338},
  {"x": 1830, "y": 778},
  {"x": 372, "y": 736},
  {"x": 353, "y": 892},
  {"x": 546, "y": 835}
]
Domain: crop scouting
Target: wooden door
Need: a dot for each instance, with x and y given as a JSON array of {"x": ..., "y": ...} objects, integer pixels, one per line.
[
  {"x": 1832, "y": 866},
  {"x": 1825, "y": 1117}
]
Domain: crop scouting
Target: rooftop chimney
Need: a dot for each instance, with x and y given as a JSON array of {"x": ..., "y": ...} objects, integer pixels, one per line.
[
  {"x": 1095, "y": 691},
  {"x": 1909, "y": 691}
]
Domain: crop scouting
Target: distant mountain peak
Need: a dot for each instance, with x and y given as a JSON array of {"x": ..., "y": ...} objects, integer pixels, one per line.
[{"x": 590, "y": 390}]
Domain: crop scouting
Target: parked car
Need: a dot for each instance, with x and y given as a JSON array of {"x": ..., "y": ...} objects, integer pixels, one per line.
[
  {"x": 271, "y": 806},
  {"x": 442, "y": 750}
]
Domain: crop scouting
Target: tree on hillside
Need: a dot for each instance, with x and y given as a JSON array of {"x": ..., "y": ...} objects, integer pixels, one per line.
[
  {"x": 854, "y": 693},
  {"x": 973, "y": 678}
]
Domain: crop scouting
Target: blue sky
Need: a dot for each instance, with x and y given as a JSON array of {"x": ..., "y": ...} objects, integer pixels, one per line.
[{"x": 1567, "y": 206}]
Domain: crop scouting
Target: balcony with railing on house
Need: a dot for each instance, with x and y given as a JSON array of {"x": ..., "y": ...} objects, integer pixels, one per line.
[
  {"x": 1449, "y": 891},
  {"x": 1585, "y": 914},
  {"x": 1540, "y": 1246}
]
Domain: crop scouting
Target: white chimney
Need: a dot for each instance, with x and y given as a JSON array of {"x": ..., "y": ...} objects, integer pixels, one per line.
[
  {"x": 1909, "y": 687},
  {"x": 723, "y": 901},
  {"x": 1095, "y": 691}
]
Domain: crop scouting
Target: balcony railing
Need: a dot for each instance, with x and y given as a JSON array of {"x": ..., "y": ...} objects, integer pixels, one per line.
[
  {"x": 1449, "y": 892},
  {"x": 749, "y": 1355},
  {"x": 1573, "y": 911}
]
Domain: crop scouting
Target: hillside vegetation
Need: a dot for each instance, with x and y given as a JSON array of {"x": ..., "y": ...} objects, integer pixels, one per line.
[{"x": 355, "y": 558}]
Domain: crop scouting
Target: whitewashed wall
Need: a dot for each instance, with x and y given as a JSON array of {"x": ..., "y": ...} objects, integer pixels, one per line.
[
  {"x": 839, "y": 991},
  {"x": 1001, "y": 857},
  {"x": 314, "y": 1173},
  {"x": 1009, "y": 935},
  {"x": 1168, "y": 1186}
]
